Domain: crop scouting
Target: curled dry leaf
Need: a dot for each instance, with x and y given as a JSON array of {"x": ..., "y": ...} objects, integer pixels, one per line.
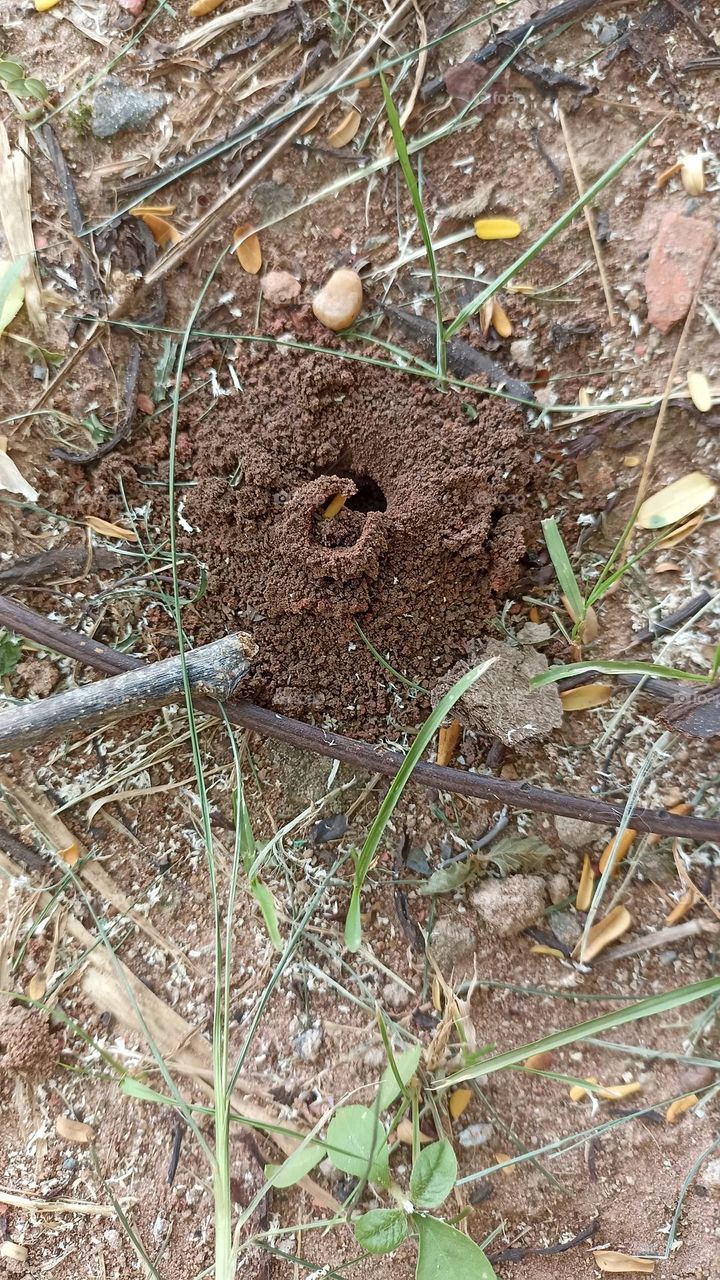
[
  {"x": 682, "y": 532},
  {"x": 448, "y": 739},
  {"x": 501, "y": 321},
  {"x": 486, "y": 315},
  {"x": 676, "y": 501},
  {"x": 163, "y": 232},
  {"x": 621, "y": 844},
  {"x": 345, "y": 131},
  {"x": 12, "y": 479},
  {"x": 586, "y": 697},
  {"x": 611, "y": 1260},
  {"x": 459, "y": 1101},
  {"x": 586, "y": 886},
  {"x": 700, "y": 392},
  {"x": 247, "y": 248},
  {"x": 404, "y": 1133},
  {"x": 496, "y": 228},
  {"x": 609, "y": 929},
  {"x": 74, "y": 1130},
  {"x": 682, "y": 907},
  {"x": 110, "y": 530},
  {"x": 680, "y": 1106},
  {"x": 692, "y": 173},
  {"x": 334, "y": 506}
]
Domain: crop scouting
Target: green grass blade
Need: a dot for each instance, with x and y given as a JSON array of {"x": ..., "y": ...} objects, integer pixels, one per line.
[
  {"x": 559, "y": 225},
  {"x": 606, "y": 1022},
  {"x": 353, "y": 928},
  {"x": 611, "y": 667},
  {"x": 412, "y": 186},
  {"x": 563, "y": 568},
  {"x": 412, "y": 685}
]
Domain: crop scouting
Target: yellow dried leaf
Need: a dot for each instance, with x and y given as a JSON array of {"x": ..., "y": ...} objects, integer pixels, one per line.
[
  {"x": 542, "y": 949},
  {"x": 538, "y": 1062},
  {"x": 584, "y": 397},
  {"x": 700, "y": 392},
  {"x": 578, "y": 1093},
  {"x": 74, "y": 1130},
  {"x": 334, "y": 506},
  {"x": 692, "y": 173},
  {"x": 667, "y": 174},
  {"x": 682, "y": 532},
  {"x": 163, "y": 232},
  {"x": 404, "y": 1133},
  {"x": 679, "y": 1106},
  {"x": 15, "y": 296},
  {"x": 110, "y": 530},
  {"x": 615, "y": 1092},
  {"x": 586, "y": 697},
  {"x": 682, "y": 907},
  {"x": 70, "y": 854},
  {"x": 161, "y": 210},
  {"x": 42, "y": 6},
  {"x": 621, "y": 844},
  {"x": 632, "y": 460},
  {"x": 313, "y": 121},
  {"x": 501, "y": 321},
  {"x": 345, "y": 131},
  {"x": 247, "y": 248},
  {"x": 36, "y": 987},
  {"x": 609, "y": 929},
  {"x": 502, "y": 1157},
  {"x": 448, "y": 738},
  {"x": 676, "y": 501},
  {"x": 610, "y": 1260},
  {"x": 586, "y": 886},
  {"x": 458, "y": 1102},
  {"x": 436, "y": 994},
  {"x": 486, "y": 315},
  {"x": 496, "y": 228},
  {"x": 200, "y": 7}
]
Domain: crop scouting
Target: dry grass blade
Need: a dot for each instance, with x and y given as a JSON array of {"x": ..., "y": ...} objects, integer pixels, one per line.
[
  {"x": 612, "y": 318},
  {"x": 16, "y": 218},
  {"x": 110, "y": 530},
  {"x": 195, "y": 39},
  {"x": 36, "y": 1204}
]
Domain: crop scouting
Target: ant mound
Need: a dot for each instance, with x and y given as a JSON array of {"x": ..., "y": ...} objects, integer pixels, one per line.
[{"x": 439, "y": 509}]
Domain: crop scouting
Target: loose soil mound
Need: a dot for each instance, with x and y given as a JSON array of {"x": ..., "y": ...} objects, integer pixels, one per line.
[{"x": 439, "y": 509}]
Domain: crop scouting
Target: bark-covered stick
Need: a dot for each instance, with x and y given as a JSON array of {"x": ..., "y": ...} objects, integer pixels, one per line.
[{"x": 214, "y": 671}]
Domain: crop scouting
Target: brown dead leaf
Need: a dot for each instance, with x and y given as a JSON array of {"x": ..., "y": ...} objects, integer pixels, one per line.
[
  {"x": 163, "y": 232},
  {"x": 680, "y": 1106},
  {"x": 345, "y": 131},
  {"x": 621, "y": 844},
  {"x": 36, "y": 987},
  {"x": 611, "y": 1260},
  {"x": 539, "y": 1062},
  {"x": 459, "y": 1101},
  {"x": 110, "y": 530},
  {"x": 609, "y": 929},
  {"x": 74, "y": 1130},
  {"x": 448, "y": 739},
  {"x": 682, "y": 531},
  {"x": 586, "y": 886},
  {"x": 586, "y": 697},
  {"x": 667, "y": 566},
  {"x": 501, "y": 321},
  {"x": 682, "y": 907},
  {"x": 404, "y": 1133},
  {"x": 247, "y": 248}
]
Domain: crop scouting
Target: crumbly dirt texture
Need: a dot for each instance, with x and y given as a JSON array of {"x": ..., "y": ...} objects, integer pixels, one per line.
[{"x": 440, "y": 507}]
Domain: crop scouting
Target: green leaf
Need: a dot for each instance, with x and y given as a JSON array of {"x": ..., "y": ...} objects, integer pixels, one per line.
[
  {"x": 606, "y": 1022},
  {"x": 10, "y": 651},
  {"x": 406, "y": 1065},
  {"x": 357, "y": 1144},
  {"x": 297, "y": 1166},
  {"x": 560, "y": 223},
  {"x": 10, "y": 71},
  {"x": 611, "y": 667},
  {"x": 433, "y": 1176},
  {"x": 563, "y": 568},
  {"x": 31, "y": 88},
  {"x": 266, "y": 903},
  {"x": 353, "y": 927},
  {"x": 447, "y": 1254},
  {"x": 381, "y": 1230},
  {"x": 448, "y": 879},
  {"x": 12, "y": 290}
]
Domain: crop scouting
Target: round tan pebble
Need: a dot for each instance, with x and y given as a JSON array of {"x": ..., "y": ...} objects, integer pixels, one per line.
[
  {"x": 280, "y": 288},
  {"x": 340, "y": 300}
]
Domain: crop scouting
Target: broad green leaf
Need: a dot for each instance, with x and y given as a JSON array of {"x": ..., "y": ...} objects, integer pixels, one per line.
[
  {"x": 10, "y": 71},
  {"x": 563, "y": 568},
  {"x": 12, "y": 291},
  {"x": 353, "y": 928},
  {"x": 298, "y": 1164},
  {"x": 10, "y": 651},
  {"x": 381, "y": 1230},
  {"x": 357, "y": 1144},
  {"x": 266, "y": 903},
  {"x": 612, "y": 667},
  {"x": 447, "y": 1254},
  {"x": 606, "y": 1022},
  {"x": 406, "y": 1064},
  {"x": 448, "y": 879},
  {"x": 433, "y": 1176}
]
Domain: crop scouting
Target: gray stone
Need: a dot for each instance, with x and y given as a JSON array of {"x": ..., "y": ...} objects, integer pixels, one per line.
[
  {"x": 476, "y": 1135},
  {"x": 558, "y": 887},
  {"x": 452, "y": 944},
  {"x": 307, "y": 1044},
  {"x": 609, "y": 32},
  {"x": 394, "y": 996},
  {"x": 710, "y": 1176},
  {"x": 566, "y": 927},
  {"x": 576, "y": 834},
  {"x": 522, "y": 351},
  {"x": 506, "y": 907},
  {"x": 118, "y": 107}
]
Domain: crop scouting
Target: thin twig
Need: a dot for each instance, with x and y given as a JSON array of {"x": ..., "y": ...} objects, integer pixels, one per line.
[{"x": 588, "y": 215}]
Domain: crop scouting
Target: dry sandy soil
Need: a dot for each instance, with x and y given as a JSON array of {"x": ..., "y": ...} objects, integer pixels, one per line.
[{"x": 437, "y": 550}]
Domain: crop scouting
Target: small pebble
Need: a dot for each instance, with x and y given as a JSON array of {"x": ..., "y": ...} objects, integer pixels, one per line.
[
  {"x": 710, "y": 1175},
  {"x": 307, "y": 1044},
  {"x": 522, "y": 351},
  {"x": 339, "y": 302},
  {"x": 558, "y": 887},
  {"x": 394, "y": 996},
  {"x": 476, "y": 1135},
  {"x": 279, "y": 288},
  {"x": 506, "y": 907},
  {"x": 575, "y": 833}
]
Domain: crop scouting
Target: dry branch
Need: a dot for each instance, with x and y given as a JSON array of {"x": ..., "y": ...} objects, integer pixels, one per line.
[{"x": 519, "y": 795}]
